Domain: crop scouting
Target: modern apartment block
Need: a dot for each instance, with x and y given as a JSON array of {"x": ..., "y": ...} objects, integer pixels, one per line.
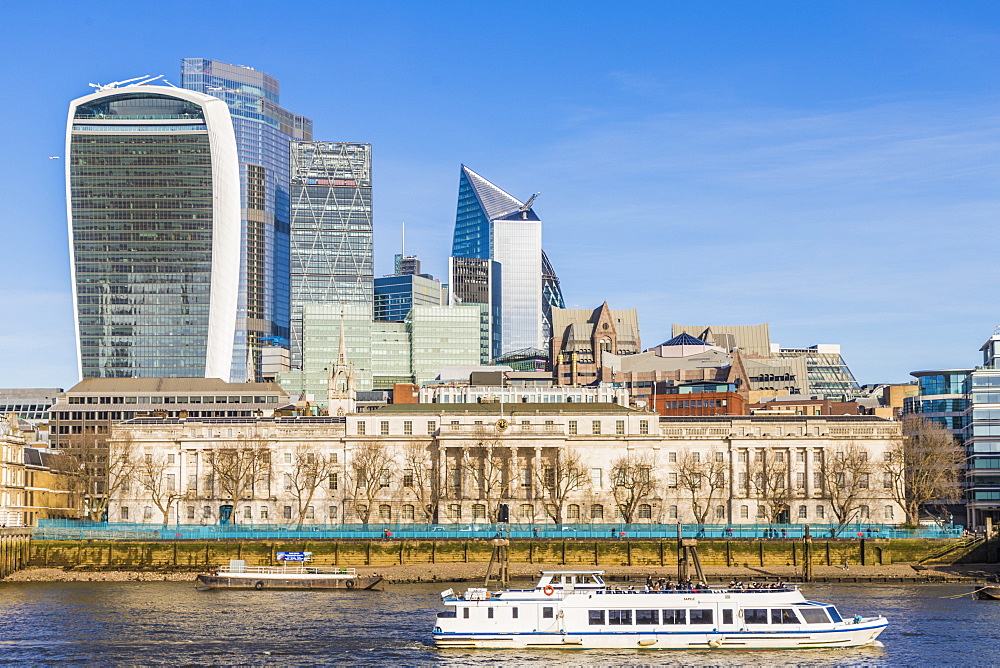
[
  {"x": 331, "y": 228},
  {"x": 153, "y": 204},
  {"x": 264, "y": 132},
  {"x": 505, "y": 235}
]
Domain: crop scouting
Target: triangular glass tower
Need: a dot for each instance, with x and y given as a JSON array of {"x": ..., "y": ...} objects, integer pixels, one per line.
[{"x": 497, "y": 259}]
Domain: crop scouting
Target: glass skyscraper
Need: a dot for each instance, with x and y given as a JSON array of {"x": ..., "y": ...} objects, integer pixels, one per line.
[
  {"x": 152, "y": 179},
  {"x": 331, "y": 228},
  {"x": 493, "y": 225},
  {"x": 264, "y": 131}
]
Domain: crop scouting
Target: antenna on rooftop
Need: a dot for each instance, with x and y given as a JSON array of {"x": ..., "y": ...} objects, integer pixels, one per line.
[{"x": 524, "y": 208}]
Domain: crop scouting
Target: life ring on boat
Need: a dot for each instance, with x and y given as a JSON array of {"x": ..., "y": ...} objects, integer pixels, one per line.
[
  {"x": 259, "y": 585},
  {"x": 549, "y": 590},
  {"x": 350, "y": 584}
]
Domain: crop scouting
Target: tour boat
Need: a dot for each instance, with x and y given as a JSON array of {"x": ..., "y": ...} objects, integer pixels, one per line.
[
  {"x": 577, "y": 610},
  {"x": 285, "y": 577}
]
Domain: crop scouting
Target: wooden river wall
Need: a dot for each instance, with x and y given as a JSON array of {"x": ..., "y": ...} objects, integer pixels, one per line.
[
  {"x": 15, "y": 550},
  {"x": 198, "y": 555}
]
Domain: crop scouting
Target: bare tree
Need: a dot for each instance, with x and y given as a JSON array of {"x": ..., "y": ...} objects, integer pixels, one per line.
[
  {"x": 488, "y": 464},
  {"x": 161, "y": 488},
  {"x": 371, "y": 466},
  {"x": 767, "y": 472},
  {"x": 422, "y": 478},
  {"x": 633, "y": 482},
  {"x": 559, "y": 477},
  {"x": 239, "y": 466},
  {"x": 923, "y": 466},
  {"x": 702, "y": 480},
  {"x": 310, "y": 469},
  {"x": 846, "y": 475},
  {"x": 98, "y": 468}
]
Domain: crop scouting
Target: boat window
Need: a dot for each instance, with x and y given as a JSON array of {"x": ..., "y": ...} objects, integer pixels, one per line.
[
  {"x": 513, "y": 613},
  {"x": 647, "y": 616},
  {"x": 755, "y": 616},
  {"x": 675, "y": 616},
  {"x": 597, "y": 618},
  {"x": 465, "y": 612},
  {"x": 727, "y": 616},
  {"x": 620, "y": 617},
  {"x": 447, "y": 614},
  {"x": 814, "y": 615},
  {"x": 783, "y": 616},
  {"x": 489, "y": 613},
  {"x": 834, "y": 615},
  {"x": 547, "y": 612},
  {"x": 700, "y": 616}
]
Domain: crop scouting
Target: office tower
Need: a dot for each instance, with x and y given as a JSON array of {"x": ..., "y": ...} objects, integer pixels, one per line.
[
  {"x": 153, "y": 203},
  {"x": 264, "y": 131},
  {"x": 331, "y": 224},
  {"x": 551, "y": 296},
  {"x": 396, "y": 295},
  {"x": 493, "y": 225},
  {"x": 471, "y": 281}
]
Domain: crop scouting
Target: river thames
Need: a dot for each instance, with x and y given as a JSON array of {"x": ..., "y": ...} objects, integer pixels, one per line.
[{"x": 149, "y": 623}]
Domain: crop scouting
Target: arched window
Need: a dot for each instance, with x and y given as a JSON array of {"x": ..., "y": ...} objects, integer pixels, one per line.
[
  {"x": 385, "y": 512},
  {"x": 605, "y": 345},
  {"x": 720, "y": 512},
  {"x": 408, "y": 512},
  {"x": 803, "y": 512},
  {"x": 527, "y": 511},
  {"x": 863, "y": 512},
  {"x": 597, "y": 512},
  {"x": 573, "y": 512},
  {"x": 478, "y": 511},
  {"x": 646, "y": 511},
  {"x": 671, "y": 511},
  {"x": 888, "y": 512}
]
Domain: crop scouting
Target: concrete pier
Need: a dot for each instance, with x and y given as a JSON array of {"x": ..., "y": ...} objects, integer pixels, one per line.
[{"x": 15, "y": 550}]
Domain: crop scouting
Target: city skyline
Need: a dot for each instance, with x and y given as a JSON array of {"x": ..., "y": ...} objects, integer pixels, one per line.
[{"x": 824, "y": 170}]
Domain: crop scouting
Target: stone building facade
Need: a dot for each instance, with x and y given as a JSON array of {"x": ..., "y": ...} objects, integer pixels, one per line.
[{"x": 575, "y": 463}]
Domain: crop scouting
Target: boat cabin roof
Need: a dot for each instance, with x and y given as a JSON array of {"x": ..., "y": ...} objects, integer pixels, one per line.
[{"x": 574, "y": 579}]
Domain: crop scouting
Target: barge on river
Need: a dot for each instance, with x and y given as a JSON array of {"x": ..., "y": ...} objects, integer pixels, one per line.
[
  {"x": 577, "y": 610},
  {"x": 285, "y": 577}
]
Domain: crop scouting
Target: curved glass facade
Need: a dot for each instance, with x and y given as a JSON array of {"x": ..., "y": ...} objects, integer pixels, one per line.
[{"x": 144, "y": 233}]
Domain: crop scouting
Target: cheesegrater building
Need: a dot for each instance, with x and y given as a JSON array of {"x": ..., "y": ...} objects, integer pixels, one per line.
[{"x": 153, "y": 206}]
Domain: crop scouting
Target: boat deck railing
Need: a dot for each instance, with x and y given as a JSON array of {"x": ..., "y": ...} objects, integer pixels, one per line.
[{"x": 290, "y": 570}]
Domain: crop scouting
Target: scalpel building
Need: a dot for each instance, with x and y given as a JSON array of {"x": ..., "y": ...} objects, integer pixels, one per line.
[{"x": 153, "y": 204}]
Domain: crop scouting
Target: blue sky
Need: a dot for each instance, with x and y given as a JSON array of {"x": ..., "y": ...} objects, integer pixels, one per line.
[{"x": 829, "y": 168}]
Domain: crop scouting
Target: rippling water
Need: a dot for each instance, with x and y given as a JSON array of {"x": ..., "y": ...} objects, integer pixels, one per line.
[{"x": 149, "y": 623}]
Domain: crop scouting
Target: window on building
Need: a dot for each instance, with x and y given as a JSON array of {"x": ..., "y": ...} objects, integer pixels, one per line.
[
  {"x": 595, "y": 427},
  {"x": 247, "y": 513},
  {"x": 286, "y": 512},
  {"x": 596, "y": 478},
  {"x": 887, "y": 513},
  {"x": 864, "y": 480},
  {"x": 800, "y": 457},
  {"x": 385, "y": 512},
  {"x": 620, "y": 427},
  {"x": 720, "y": 512},
  {"x": 384, "y": 427},
  {"x": 455, "y": 511},
  {"x": 886, "y": 481},
  {"x": 863, "y": 512},
  {"x": 745, "y": 512},
  {"x": 331, "y": 513},
  {"x": 820, "y": 512},
  {"x": 408, "y": 478},
  {"x": 672, "y": 480},
  {"x": 478, "y": 511},
  {"x": 147, "y": 513},
  {"x": 572, "y": 427},
  {"x": 288, "y": 482},
  {"x": 803, "y": 512},
  {"x": 527, "y": 511},
  {"x": 597, "y": 512},
  {"x": 408, "y": 427},
  {"x": 408, "y": 512},
  {"x": 643, "y": 426},
  {"x": 672, "y": 512},
  {"x": 431, "y": 428},
  {"x": 672, "y": 457},
  {"x": 384, "y": 478},
  {"x": 573, "y": 512},
  {"x": 334, "y": 480},
  {"x": 263, "y": 512},
  {"x": 190, "y": 512},
  {"x": 800, "y": 480},
  {"x": 361, "y": 428},
  {"x": 646, "y": 511}
]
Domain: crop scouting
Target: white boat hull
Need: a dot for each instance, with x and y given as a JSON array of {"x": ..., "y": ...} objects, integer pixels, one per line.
[{"x": 850, "y": 636}]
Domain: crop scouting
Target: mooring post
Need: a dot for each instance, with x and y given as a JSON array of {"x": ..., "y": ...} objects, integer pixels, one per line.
[{"x": 807, "y": 571}]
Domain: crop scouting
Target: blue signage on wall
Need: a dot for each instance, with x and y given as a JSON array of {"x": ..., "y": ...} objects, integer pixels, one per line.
[{"x": 294, "y": 556}]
